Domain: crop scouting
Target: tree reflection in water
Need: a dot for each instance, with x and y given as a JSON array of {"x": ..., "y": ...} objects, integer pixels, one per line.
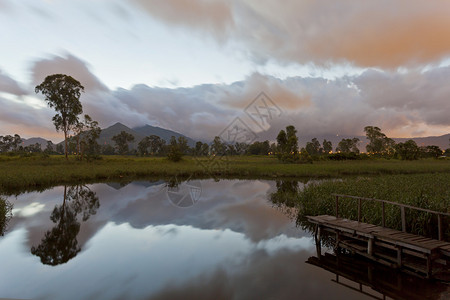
[
  {"x": 285, "y": 198},
  {"x": 60, "y": 244},
  {"x": 5, "y": 215}
]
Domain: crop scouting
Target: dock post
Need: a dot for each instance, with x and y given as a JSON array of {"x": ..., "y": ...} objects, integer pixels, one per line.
[
  {"x": 402, "y": 210},
  {"x": 399, "y": 256},
  {"x": 370, "y": 246},
  {"x": 440, "y": 233},
  {"x": 359, "y": 210},
  {"x": 337, "y": 206},
  {"x": 318, "y": 244},
  {"x": 382, "y": 215}
]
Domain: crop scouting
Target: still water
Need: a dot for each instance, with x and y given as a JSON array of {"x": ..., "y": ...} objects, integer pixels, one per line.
[{"x": 193, "y": 240}]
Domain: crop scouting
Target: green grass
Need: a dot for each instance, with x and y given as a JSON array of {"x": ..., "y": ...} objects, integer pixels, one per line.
[
  {"x": 430, "y": 191},
  {"x": 34, "y": 173}
]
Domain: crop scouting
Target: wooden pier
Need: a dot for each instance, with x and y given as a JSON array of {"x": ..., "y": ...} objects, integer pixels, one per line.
[{"x": 397, "y": 249}]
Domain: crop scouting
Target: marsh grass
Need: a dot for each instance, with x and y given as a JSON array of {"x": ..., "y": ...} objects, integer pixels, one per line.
[
  {"x": 38, "y": 172},
  {"x": 430, "y": 191}
]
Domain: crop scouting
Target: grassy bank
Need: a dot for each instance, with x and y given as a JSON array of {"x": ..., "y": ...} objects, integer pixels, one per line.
[
  {"x": 429, "y": 191},
  {"x": 38, "y": 172}
]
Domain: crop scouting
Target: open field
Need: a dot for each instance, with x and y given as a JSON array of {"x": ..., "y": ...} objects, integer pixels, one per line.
[{"x": 31, "y": 173}]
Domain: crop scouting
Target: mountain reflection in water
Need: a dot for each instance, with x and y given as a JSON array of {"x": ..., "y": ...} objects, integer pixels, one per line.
[{"x": 129, "y": 241}]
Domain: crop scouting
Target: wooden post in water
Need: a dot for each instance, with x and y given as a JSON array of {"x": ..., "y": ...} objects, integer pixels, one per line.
[
  {"x": 402, "y": 210},
  {"x": 370, "y": 246}
]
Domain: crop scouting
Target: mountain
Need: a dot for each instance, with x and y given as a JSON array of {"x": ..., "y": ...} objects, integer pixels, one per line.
[
  {"x": 107, "y": 134},
  {"x": 139, "y": 133},
  {"x": 34, "y": 140},
  {"x": 165, "y": 134},
  {"x": 442, "y": 141}
]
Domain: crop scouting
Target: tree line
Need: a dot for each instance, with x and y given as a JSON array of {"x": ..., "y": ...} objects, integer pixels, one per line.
[{"x": 379, "y": 146}]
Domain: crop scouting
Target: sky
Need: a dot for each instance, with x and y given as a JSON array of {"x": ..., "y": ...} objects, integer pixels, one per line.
[{"x": 196, "y": 66}]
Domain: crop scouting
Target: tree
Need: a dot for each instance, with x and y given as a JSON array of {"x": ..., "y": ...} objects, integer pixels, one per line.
[
  {"x": 122, "y": 139},
  {"x": 407, "y": 150},
  {"x": 347, "y": 146},
  {"x": 60, "y": 244},
  {"x": 5, "y": 214},
  {"x": 107, "y": 149},
  {"x": 218, "y": 147},
  {"x": 433, "y": 151},
  {"x": 379, "y": 142},
  {"x": 49, "y": 147},
  {"x": 201, "y": 149},
  {"x": 241, "y": 148},
  {"x": 288, "y": 145},
  {"x": 143, "y": 146},
  {"x": 327, "y": 146},
  {"x": 86, "y": 134},
  {"x": 175, "y": 154},
  {"x": 282, "y": 141},
  {"x": 89, "y": 144},
  {"x": 183, "y": 144},
  {"x": 313, "y": 147},
  {"x": 292, "y": 140},
  {"x": 62, "y": 92},
  {"x": 16, "y": 142}
]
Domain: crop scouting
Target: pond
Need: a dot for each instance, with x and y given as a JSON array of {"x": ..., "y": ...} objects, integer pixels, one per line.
[{"x": 178, "y": 240}]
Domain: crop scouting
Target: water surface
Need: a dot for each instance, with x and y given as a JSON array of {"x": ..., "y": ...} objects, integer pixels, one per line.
[{"x": 152, "y": 240}]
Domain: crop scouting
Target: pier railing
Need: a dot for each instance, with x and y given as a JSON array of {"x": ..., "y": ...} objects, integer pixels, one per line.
[{"x": 402, "y": 207}]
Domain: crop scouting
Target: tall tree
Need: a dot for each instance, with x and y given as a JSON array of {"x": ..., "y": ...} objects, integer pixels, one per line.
[
  {"x": 288, "y": 145},
  {"x": 88, "y": 143},
  {"x": 348, "y": 146},
  {"x": 218, "y": 147},
  {"x": 379, "y": 142},
  {"x": 313, "y": 147},
  {"x": 175, "y": 154},
  {"x": 157, "y": 144},
  {"x": 327, "y": 146},
  {"x": 408, "y": 150},
  {"x": 143, "y": 146},
  {"x": 62, "y": 92},
  {"x": 122, "y": 139}
]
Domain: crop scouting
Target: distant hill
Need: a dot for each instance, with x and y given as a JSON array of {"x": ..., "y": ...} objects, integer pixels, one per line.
[
  {"x": 108, "y": 133},
  {"x": 139, "y": 133},
  {"x": 162, "y": 133},
  {"x": 441, "y": 141},
  {"x": 34, "y": 140}
]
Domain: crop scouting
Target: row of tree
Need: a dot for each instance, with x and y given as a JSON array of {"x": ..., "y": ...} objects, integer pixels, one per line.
[{"x": 379, "y": 146}]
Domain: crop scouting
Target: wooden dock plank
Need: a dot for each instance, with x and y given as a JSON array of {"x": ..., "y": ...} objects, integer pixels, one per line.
[{"x": 397, "y": 237}]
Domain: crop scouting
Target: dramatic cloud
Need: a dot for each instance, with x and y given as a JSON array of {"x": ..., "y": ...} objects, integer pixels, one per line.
[
  {"x": 202, "y": 15},
  {"x": 17, "y": 116},
  {"x": 10, "y": 86},
  {"x": 403, "y": 104},
  {"x": 383, "y": 33},
  {"x": 69, "y": 65}
]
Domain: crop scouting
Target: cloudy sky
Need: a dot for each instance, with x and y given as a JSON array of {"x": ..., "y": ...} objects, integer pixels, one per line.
[{"x": 194, "y": 66}]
